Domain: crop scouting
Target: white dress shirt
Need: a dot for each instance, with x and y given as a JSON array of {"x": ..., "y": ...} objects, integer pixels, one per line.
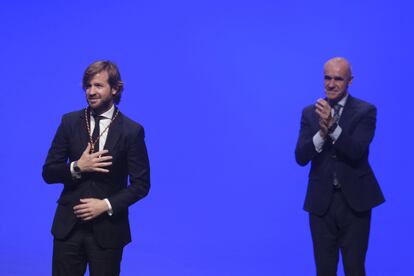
[{"x": 104, "y": 122}]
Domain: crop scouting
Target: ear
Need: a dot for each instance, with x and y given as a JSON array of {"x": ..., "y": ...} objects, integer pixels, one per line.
[
  {"x": 350, "y": 80},
  {"x": 114, "y": 92}
]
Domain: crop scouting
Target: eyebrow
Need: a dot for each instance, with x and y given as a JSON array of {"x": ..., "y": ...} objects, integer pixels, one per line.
[
  {"x": 327, "y": 77},
  {"x": 98, "y": 83}
]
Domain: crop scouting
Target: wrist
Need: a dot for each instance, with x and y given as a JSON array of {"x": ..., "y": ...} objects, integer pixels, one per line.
[
  {"x": 105, "y": 206},
  {"x": 332, "y": 127},
  {"x": 78, "y": 166},
  {"x": 109, "y": 207}
]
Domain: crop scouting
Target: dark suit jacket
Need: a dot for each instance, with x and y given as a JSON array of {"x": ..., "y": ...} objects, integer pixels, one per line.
[
  {"x": 125, "y": 143},
  {"x": 348, "y": 156}
]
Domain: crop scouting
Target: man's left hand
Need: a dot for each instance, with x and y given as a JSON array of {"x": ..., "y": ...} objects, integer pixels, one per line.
[
  {"x": 90, "y": 208},
  {"x": 323, "y": 125},
  {"x": 323, "y": 109}
]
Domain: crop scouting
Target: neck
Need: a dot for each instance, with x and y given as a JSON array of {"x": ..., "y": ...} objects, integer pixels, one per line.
[
  {"x": 102, "y": 110},
  {"x": 337, "y": 100}
]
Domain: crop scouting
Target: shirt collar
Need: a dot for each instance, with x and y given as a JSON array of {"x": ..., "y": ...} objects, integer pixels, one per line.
[
  {"x": 109, "y": 113},
  {"x": 343, "y": 101}
]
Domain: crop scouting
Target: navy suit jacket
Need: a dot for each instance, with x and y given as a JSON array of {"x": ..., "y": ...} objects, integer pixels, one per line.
[
  {"x": 348, "y": 157},
  {"x": 125, "y": 143}
]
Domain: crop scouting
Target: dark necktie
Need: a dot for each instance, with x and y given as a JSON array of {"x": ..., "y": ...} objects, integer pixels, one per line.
[
  {"x": 337, "y": 112},
  {"x": 336, "y": 116},
  {"x": 96, "y": 132}
]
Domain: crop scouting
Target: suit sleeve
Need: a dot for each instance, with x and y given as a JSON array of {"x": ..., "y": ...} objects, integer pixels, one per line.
[
  {"x": 139, "y": 175},
  {"x": 354, "y": 145},
  {"x": 56, "y": 168},
  {"x": 305, "y": 149}
]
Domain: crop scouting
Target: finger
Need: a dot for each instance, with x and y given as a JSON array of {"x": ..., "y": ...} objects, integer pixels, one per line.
[
  {"x": 319, "y": 112},
  {"x": 320, "y": 109},
  {"x": 99, "y": 160},
  {"x": 84, "y": 209},
  {"x": 100, "y": 170},
  {"x": 86, "y": 200},
  {"x": 321, "y": 101},
  {"x": 79, "y": 206},
  {"x": 104, "y": 158},
  {"x": 81, "y": 213},
  {"x": 322, "y": 114},
  {"x": 88, "y": 218},
  {"x": 83, "y": 216},
  {"x": 99, "y": 153},
  {"x": 88, "y": 148},
  {"x": 318, "y": 105},
  {"x": 321, "y": 104},
  {"x": 102, "y": 164}
]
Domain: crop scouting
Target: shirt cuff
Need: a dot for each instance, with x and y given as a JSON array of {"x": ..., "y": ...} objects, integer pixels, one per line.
[
  {"x": 335, "y": 134},
  {"x": 110, "y": 211},
  {"x": 318, "y": 141},
  {"x": 76, "y": 175}
]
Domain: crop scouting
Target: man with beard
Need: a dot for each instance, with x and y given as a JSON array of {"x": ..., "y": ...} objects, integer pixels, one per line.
[
  {"x": 335, "y": 135},
  {"x": 94, "y": 153}
]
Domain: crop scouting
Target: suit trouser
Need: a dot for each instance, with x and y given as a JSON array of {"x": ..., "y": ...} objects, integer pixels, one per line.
[
  {"x": 340, "y": 229},
  {"x": 79, "y": 249}
]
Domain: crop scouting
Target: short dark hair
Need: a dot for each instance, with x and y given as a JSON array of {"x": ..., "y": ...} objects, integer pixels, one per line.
[{"x": 114, "y": 77}]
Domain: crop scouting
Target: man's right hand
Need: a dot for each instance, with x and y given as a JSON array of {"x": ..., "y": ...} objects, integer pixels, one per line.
[
  {"x": 94, "y": 162},
  {"x": 323, "y": 128},
  {"x": 323, "y": 109}
]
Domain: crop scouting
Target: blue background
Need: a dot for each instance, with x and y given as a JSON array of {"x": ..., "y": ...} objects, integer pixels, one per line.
[{"x": 219, "y": 87}]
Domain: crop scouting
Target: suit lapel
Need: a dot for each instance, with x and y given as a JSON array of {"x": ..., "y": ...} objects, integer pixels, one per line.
[
  {"x": 83, "y": 131},
  {"x": 114, "y": 133},
  {"x": 347, "y": 113}
]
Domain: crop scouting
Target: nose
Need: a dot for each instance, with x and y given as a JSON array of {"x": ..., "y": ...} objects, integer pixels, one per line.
[
  {"x": 331, "y": 83},
  {"x": 90, "y": 90}
]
